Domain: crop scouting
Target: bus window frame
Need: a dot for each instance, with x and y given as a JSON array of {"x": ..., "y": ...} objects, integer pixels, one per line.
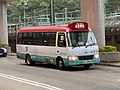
[{"x": 65, "y": 38}]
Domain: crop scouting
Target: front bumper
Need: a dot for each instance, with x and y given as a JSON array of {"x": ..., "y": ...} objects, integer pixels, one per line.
[
  {"x": 82, "y": 62},
  {"x": 3, "y": 54}
]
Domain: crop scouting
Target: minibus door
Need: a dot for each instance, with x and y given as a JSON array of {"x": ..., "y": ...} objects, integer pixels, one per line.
[{"x": 61, "y": 44}]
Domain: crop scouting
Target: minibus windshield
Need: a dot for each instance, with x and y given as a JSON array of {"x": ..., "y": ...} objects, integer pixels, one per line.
[{"x": 84, "y": 38}]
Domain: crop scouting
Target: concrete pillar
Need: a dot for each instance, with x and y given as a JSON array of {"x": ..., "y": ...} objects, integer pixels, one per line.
[
  {"x": 3, "y": 23},
  {"x": 92, "y": 11}
]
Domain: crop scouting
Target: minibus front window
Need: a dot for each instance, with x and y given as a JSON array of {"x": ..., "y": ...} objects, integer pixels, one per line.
[
  {"x": 69, "y": 41},
  {"x": 91, "y": 39},
  {"x": 78, "y": 38}
]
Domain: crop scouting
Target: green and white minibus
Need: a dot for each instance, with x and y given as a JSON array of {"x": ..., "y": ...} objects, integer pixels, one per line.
[{"x": 63, "y": 46}]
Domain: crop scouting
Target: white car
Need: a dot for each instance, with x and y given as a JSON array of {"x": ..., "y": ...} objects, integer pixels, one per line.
[{"x": 3, "y": 52}]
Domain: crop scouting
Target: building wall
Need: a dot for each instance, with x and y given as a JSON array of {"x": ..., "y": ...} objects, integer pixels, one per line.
[
  {"x": 1, "y": 19},
  {"x": 92, "y": 11},
  {"x": 3, "y": 23},
  {"x": 112, "y": 36}
]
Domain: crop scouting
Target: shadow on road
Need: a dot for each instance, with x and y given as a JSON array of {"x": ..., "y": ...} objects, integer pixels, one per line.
[{"x": 50, "y": 66}]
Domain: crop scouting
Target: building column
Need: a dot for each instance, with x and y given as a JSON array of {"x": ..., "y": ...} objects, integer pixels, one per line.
[
  {"x": 3, "y": 23},
  {"x": 92, "y": 11}
]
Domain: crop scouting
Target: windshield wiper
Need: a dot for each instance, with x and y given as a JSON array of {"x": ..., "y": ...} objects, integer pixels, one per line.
[
  {"x": 73, "y": 46},
  {"x": 89, "y": 45},
  {"x": 76, "y": 46}
]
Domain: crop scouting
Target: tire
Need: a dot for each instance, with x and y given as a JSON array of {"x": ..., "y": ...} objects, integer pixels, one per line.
[
  {"x": 60, "y": 64},
  {"x": 29, "y": 61},
  {"x": 87, "y": 66},
  {"x": 5, "y": 55}
]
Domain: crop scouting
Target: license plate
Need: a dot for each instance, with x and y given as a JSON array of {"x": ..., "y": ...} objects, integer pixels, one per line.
[{"x": 88, "y": 61}]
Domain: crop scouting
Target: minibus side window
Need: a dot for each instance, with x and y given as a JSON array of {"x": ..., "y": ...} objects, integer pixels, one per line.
[
  {"x": 19, "y": 40},
  {"x": 61, "y": 40}
]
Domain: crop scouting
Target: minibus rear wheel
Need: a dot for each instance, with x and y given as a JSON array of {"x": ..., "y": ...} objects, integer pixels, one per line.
[
  {"x": 28, "y": 60},
  {"x": 60, "y": 64}
]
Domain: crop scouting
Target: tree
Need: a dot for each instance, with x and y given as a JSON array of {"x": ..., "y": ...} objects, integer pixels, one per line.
[
  {"x": 39, "y": 7},
  {"x": 71, "y": 5},
  {"x": 112, "y": 6}
]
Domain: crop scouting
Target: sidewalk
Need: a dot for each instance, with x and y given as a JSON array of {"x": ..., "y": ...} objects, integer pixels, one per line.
[
  {"x": 11, "y": 54},
  {"x": 113, "y": 64}
]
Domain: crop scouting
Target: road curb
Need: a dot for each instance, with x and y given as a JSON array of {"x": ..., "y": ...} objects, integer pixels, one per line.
[
  {"x": 110, "y": 64},
  {"x": 11, "y": 54}
]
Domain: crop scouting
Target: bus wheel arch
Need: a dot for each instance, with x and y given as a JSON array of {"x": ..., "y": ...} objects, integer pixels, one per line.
[
  {"x": 28, "y": 60},
  {"x": 59, "y": 63}
]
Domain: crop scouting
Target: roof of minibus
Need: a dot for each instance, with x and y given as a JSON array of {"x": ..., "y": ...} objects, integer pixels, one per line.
[{"x": 46, "y": 29}]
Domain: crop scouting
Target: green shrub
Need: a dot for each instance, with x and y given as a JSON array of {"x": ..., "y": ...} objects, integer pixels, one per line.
[
  {"x": 4, "y": 45},
  {"x": 108, "y": 49}
]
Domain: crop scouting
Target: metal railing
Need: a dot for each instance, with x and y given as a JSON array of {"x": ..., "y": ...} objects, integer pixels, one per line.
[
  {"x": 45, "y": 19},
  {"x": 111, "y": 20}
]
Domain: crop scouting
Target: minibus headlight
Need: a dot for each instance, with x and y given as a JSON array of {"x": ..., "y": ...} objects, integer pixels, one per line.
[
  {"x": 96, "y": 56},
  {"x": 73, "y": 58}
]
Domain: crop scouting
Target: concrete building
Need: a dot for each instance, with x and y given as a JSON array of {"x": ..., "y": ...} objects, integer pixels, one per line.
[
  {"x": 3, "y": 22},
  {"x": 92, "y": 11}
]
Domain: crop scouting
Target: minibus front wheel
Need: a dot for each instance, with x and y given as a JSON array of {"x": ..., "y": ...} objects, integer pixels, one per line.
[
  {"x": 60, "y": 64},
  {"x": 28, "y": 60}
]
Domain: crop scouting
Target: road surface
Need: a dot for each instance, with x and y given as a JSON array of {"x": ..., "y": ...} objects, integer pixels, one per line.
[{"x": 16, "y": 75}]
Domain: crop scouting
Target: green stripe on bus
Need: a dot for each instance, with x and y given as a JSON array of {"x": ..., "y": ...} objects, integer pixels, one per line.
[{"x": 52, "y": 60}]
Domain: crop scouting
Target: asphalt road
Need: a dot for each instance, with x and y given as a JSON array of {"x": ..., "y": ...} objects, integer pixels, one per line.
[{"x": 16, "y": 75}]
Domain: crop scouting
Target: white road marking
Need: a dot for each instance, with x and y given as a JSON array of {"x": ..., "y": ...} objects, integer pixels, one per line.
[
  {"x": 118, "y": 79},
  {"x": 42, "y": 85}
]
